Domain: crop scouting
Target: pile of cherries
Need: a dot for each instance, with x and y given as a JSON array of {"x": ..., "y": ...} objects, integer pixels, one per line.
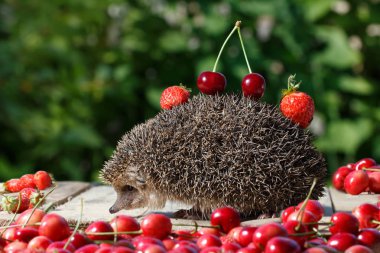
[
  {"x": 299, "y": 231},
  {"x": 355, "y": 178}
]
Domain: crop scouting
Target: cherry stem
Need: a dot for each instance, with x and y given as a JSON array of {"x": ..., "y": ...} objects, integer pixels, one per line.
[
  {"x": 196, "y": 225},
  {"x": 375, "y": 222},
  {"x": 20, "y": 225},
  {"x": 303, "y": 234},
  {"x": 79, "y": 221},
  {"x": 139, "y": 232},
  {"x": 37, "y": 205},
  {"x": 243, "y": 48},
  {"x": 301, "y": 212},
  {"x": 371, "y": 169},
  {"x": 224, "y": 44}
]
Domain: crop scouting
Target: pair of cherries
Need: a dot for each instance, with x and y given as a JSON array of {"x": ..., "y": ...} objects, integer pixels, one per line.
[{"x": 212, "y": 82}]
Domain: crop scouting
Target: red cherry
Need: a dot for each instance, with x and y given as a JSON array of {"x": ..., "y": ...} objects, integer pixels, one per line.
[
  {"x": 205, "y": 231},
  {"x": 26, "y": 234},
  {"x": 232, "y": 236},
  {"x": 344, "y": 222},
  {"x": 358, "y": 249},
  {"x": 190, "y": 244},
  {"x": 213, "y": 249},
  {"x": 124, "y": 223},
  {"x": 39, "y": 243},
  {"x": 169, "y": 243},
  {"x": 54, "y": 227},
  {"x": 249, "y": 250},
  {"x": 267, "y": 231},
  {"x": 339, "y": 176},
  {"x": 184, "y": 249},
  {"x": 208, "y": 241},
  {"x": 293, "y": 228},
  {"x": 245, "y": 236},
  {"x": 15, "y": 246},
  {"x": 342, "y": 241},
  {"x": 225, "y": 217},
  {"x": 230, "y": 247},
  {"x": 140, "y": 241},
  {"x": 211, "y": 83},
  {"x": 253, "y": 85},
  {"x": 366, "y": 213},
  {"x": 281, "y": 244},
  {"x": 314, "y": 207},
  {"x": 53, "y": 247},
  {"x": 78, "y": 240},
  {"x": 37, "y": 216},
  {"x": 306, "y": 217},
  {"x": 356, "y": 182},
  {"x": 10, "y": 234},
  {"x": 156, "y": 225},
  {"x": 364, "y": 163},
  {"x": 369, "y": 237},
  {"x": 99, "y": 227},
  {"x": 90, "y": 248},
  {"x": 315, "y": 250},
  {"x": 374, "y": 182},
  {"x": 288, "y": 211},
  {"x": 152, "y": 248},
  {"x": 183, "y": 235}
]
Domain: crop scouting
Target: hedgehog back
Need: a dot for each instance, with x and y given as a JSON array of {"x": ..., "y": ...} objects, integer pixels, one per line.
[{"x": 227, "y": 150}]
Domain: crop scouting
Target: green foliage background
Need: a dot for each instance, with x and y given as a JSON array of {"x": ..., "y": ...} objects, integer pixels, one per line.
[{"x": 75, "y": 75}]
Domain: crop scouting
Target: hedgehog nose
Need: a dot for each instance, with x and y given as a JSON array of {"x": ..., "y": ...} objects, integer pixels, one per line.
[{"x": 113, "y": 209}]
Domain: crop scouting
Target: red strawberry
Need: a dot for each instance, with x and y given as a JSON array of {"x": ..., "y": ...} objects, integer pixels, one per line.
[
  {"x": 297, "y": 106},
  {"x": 173, "y": 96},
  {"x": 27, "y": 181},
  {"x": 42, "y": 180},
  {"x": 32, "y": 195},
  {"x": 10, "y": 203},
  {"x": 13, "y": 185}
]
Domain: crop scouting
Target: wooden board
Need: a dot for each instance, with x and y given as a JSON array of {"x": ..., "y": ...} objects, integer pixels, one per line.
[{"x": 343, "y": 202}]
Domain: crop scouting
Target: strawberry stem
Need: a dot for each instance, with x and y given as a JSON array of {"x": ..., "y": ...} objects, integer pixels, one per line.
[
  {"x": 237, "y": 24},
  {"x": 242, "y": 47},
  {"x": 14, "y": 216}
]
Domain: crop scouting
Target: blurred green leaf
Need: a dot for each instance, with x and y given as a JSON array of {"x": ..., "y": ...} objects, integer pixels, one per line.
[{"x": 355, "y": 85}]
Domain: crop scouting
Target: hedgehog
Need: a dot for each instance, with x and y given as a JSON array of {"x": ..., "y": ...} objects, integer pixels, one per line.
[{"x": 214, "y": 151}]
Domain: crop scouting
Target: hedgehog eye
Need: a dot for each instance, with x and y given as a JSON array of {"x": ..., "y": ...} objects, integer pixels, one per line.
[{"x": 127, "y": 188}]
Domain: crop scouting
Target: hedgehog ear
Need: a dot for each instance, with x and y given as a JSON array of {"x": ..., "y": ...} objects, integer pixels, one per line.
[{"x": 134, "y": 175}]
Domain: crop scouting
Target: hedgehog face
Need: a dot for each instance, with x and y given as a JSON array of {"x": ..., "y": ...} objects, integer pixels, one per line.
[{"x": 128, "y": 197}]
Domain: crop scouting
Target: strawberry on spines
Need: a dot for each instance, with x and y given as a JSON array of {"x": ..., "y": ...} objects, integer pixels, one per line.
[
  {"x": 296, "y": 105},
  {"x": 173, "y": 96}
]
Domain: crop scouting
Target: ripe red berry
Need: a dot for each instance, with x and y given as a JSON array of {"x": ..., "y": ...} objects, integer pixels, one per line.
[
  {"x": 208, "y": 241},
  {"x": 356, "y": 182},
  {"x": 281, "y": 244},
  {"x": 173, "y": 96},
  {"x": 156, "y": 225},
  {"x": 124, "y": 223},
  {"x": 13, "y": 204},
  {"x": 339, "y": 176},
  {"x": 225, "y": 217},
  {"x": 298, "y": 107},
  {"x": 342, "y": 241},
  {"x": 369, "y": 237},
  {"x": 99, "y": 227},
  {"x": 288, "y": 211},
  {"x": 39, "y": 244},
  {"x": 358, "y": 249},
  {"x": 374, "y": 182},
  {"x": 27, "y": 181},
  {"x": 366, "y": 213},
  {"x": 245, "y": 236},
  {"x": 13, "y": 185},
  {"x": 314, "y": 207},
  {"x": 253, "y": 85},
  {"x": 344, "y": 222},
  {"x": 42, "y": 180},
  {"x": 211, "y": 83},
  {"x": 266, "y": 232},
  {"x": 364, "y": 163},
  {"x": 295, "y": 105},
  {"x": 54, "y": 227}
]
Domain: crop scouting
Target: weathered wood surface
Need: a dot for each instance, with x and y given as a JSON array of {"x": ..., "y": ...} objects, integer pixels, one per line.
[{"x": 97, "y": 199}]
